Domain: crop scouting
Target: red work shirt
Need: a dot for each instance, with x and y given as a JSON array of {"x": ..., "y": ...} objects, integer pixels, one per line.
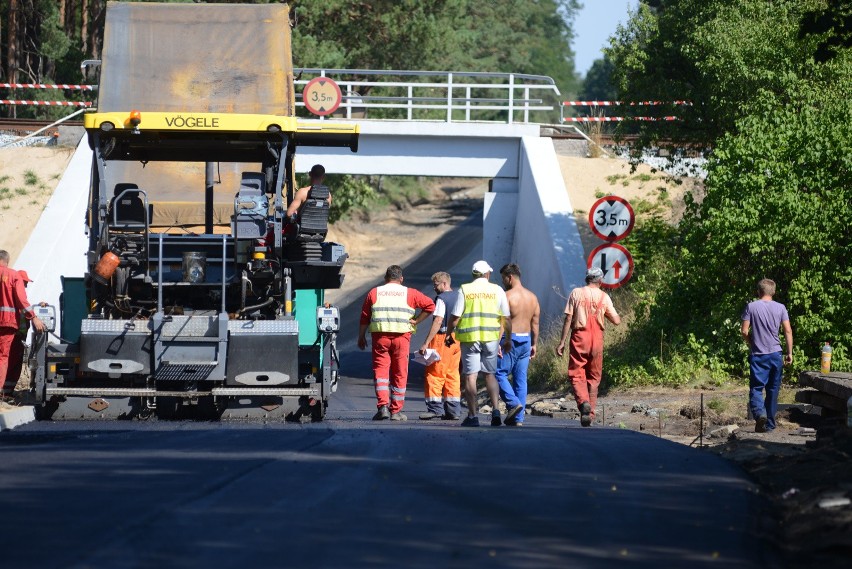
[
  {"x": 415, "y": 299},
  {"x": 13, "y": 298}
]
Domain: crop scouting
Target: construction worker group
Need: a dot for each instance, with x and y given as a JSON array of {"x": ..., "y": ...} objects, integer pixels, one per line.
[{"x": 481, "y": 328}]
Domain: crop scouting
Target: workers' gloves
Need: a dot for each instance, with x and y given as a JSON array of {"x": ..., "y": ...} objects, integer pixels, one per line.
[{"x": 449, "y": 341}]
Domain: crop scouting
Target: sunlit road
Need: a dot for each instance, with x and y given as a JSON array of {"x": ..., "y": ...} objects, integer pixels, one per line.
[{"x": 349, "y": 492}]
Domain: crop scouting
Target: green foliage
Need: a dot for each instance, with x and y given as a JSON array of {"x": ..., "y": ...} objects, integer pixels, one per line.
[
  {"x": 30, "y": 178},
  {"x": 598, "y": 84},
  {"x": 348, "y": 194},
  {"x": 778, "y": 188},
  {"x": 21, "y": 191},
  {"x": 442, "y": 35}
]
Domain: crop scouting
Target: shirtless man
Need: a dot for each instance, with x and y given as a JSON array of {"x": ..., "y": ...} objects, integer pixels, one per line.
[
  {"x": 524, "y": 309},
  {"x": 317, "y": 176}
]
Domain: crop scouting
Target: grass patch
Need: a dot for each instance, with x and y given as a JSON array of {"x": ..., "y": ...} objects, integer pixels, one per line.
[
  {"x": 718, "y": 405},
  {"x": 21, "y": 191},
  {"x": 5, "y": 193},
  {"x": 5, "y": 178},
  {"x": 31, "y": 178},
  {"x": 599, "y": 193},
  {"x": 547, "y": 371},
  {"x": 643, "y": 177},
  {"x": 614, "y": 178}
]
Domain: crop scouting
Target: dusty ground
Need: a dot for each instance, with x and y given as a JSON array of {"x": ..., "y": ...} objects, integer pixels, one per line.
[
  {"x": 805, "y": 461},
  {"x": 28, "y": 177}
]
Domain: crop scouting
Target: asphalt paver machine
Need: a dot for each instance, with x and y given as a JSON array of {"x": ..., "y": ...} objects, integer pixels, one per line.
[{"x": 201, "y": 297}]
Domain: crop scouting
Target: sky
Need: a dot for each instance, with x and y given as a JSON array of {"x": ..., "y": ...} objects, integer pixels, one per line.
[{"x": 595, "y": 22}]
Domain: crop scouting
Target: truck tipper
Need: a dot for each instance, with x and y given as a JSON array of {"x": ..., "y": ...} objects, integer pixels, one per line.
[{"x": 201, "y": 298}]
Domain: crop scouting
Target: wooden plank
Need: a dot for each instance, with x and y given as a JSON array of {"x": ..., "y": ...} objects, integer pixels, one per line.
[{"x": 836, "y": 384}]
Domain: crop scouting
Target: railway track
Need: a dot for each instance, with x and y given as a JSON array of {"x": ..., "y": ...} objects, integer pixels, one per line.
[{"x": 22, "y": 127}]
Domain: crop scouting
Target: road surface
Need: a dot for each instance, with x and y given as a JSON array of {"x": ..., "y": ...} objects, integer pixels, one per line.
[{"x": 350, "y": 492}]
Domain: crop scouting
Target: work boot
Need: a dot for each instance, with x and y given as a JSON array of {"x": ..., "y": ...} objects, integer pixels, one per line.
[
  {"x": 513, "y": 412},
  {"x": 382, "y": 414},
  {"x": 495, "y": 418},
  {"x": 398, "y": 417},
  {"x": 586, "y": 414},
  {"x": 470, "y": 422},
  {"x": 450, "y": 417},
  {"x": 429, "y": 415},
  {"x": 760, "y": 424}
]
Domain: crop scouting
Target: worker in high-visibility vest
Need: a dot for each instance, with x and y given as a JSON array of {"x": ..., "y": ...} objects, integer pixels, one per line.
[
  {"x": 479, "y": 318},
  {"x": 442, "y": 383},
  {"x": 585, "y": 313},
  {"x": 389, "y": 312},
  {"x": 13, "y": 302}
]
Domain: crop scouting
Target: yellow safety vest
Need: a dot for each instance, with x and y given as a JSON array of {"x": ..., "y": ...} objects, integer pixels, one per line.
[
  {"x": 480, "y": 321},
  {"x": 391, "y": 312}
]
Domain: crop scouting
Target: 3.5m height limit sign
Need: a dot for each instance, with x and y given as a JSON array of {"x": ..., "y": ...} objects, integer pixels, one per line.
[{"x": 611, "y": 218}]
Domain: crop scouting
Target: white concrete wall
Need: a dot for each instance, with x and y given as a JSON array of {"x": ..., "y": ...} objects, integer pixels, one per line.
[
  {"x": 476, "y": 150},
  {"x": 58, "y": 244},
  {"x": 546, "y": 243},
  {"x": 498, "y": 229}
]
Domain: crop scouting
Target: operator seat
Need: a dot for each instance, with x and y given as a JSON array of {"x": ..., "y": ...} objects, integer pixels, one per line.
[
  {"x": 127, "y": 211},
  {"x": 312, "y": 224}
]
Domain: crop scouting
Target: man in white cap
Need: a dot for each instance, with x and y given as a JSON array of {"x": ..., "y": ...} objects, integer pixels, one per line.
[
  {"x": 585, "y": 313},
  {"x": 479, "y": 317}
]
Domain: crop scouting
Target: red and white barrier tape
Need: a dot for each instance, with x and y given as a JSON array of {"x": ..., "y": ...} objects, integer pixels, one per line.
[
  {"x": 617, "y": 119},
  {"x": 47, "y": 103},
  {"x": 618, "y": 103},
  {"x": 46, "y": 86}
]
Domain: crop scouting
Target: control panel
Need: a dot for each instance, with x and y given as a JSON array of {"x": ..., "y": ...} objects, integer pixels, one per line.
[
  {"x": 328, "y": 319},
  {"x": 46, "y": 314}
]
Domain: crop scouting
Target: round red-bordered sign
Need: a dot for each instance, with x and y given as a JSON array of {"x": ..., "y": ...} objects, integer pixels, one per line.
[
  {"x": 616, "y": 263},
  {"x": 322, "y": 96},
  {"x": 611, "y": 218}
]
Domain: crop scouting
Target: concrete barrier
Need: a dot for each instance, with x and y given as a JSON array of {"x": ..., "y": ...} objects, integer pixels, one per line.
[{"x": 15, "y": 417}]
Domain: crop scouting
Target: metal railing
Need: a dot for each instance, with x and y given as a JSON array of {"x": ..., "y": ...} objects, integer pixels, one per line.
[{"x": 427, "y": 95}]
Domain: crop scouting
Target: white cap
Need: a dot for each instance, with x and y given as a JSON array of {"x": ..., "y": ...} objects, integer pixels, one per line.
[{"x": 481, "y": 267}]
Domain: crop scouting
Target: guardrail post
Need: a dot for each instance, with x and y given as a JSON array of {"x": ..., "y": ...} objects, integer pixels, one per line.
[
  {"x": 467, "y": 104},
  {"x": 526, "y": 105},
  {"x": 511, "y": 97},
  {"x": 410, "y": 95},
  {"x": 449, "y": 97}
]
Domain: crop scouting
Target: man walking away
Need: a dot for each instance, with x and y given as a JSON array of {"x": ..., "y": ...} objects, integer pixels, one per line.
[
  {"x": 13, "y": 301},
  {"x": 764, "y": 317},
  {"x": 479, "y": 318},
  {"x": 442, "y": 383},
  {"x": 585, "y": 315},
  {"x": 524, "y": 309},
  {"x": 388, "y": 311}
]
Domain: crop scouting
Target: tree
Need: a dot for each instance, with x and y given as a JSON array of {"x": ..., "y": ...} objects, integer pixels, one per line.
[
  {"x": 598, "y": 84},
  {"x": 779, "y": 176},
  {"x": 445, "y": 35}
]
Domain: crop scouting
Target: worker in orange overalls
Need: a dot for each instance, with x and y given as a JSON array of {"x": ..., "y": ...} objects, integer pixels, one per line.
[
  {"x": 16, "y": 351},
  {"x": 13, "y": 302},
  {"x": 585, "y": 313},
  {"x": 442, "y": 383},
  {"x": 389, "y": 313}
]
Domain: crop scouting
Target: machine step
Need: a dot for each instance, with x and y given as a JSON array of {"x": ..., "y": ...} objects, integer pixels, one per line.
[{"x": 313, "y": 391}]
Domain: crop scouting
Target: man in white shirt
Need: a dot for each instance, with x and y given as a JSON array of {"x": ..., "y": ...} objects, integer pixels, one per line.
[{"x": 442, "y": 383}]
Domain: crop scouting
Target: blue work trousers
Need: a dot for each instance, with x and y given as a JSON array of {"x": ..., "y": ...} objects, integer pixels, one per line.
[
  {"x": 765, "y": 373},
  {"x": 516, "y": 362}
]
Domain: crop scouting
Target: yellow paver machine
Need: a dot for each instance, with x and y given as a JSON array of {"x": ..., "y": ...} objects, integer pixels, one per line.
[{"x": 202, "y": 298}]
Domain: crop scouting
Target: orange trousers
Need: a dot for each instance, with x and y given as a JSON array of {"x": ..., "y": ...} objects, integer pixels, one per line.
[
  {"x": 585, "y": 363},
  {"x": 390, "y": 368},
  {"x": 442, "y": 384}
]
